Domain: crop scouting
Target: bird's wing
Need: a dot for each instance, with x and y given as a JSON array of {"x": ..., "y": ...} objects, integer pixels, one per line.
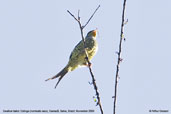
[{"x": 79, "y": 49}]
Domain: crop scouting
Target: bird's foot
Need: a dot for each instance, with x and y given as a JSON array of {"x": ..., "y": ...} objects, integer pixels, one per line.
[{"x": 89, "y": 64}]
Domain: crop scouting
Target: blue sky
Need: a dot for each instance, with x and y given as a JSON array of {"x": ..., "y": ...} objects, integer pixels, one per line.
[{"x": 37, "y": 37}]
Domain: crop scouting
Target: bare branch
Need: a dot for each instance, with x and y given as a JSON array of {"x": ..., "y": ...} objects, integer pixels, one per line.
[
  {"x": 89, "y": 64},
  {"x": 72, "y": 15},
  {"x": 91, "y": 16},
  {"x": 78, "y": 14},
  {"x": 119, "y": 57}
]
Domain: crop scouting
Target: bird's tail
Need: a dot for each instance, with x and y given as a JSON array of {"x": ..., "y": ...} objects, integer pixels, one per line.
[{"x": 60, "y": 75}]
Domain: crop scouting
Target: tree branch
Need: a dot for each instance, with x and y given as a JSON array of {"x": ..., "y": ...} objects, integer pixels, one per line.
[
  {"x": 89, "y": 64},
  {"x": 91, "y": 16},
  {"x": 119, "y": 57}
]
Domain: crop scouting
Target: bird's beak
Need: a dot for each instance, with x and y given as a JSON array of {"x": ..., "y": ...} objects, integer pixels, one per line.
[{"x": 94, "y": 33}]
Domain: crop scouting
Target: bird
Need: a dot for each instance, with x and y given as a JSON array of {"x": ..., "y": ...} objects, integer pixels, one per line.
[{"x": 77, "y": 57}]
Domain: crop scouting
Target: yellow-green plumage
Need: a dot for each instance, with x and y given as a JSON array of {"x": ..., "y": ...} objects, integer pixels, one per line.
[{"x": 77, "y": 57}]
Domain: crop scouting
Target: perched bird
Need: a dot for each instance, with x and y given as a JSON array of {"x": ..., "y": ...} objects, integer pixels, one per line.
[{"x": 77, "y": 57}]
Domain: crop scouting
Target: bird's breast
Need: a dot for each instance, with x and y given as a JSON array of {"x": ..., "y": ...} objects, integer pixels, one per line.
[{"x": 91, "y": 48}]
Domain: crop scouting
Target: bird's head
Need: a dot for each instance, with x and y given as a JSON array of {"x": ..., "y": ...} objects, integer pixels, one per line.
[{"x": 92, "y": 33}]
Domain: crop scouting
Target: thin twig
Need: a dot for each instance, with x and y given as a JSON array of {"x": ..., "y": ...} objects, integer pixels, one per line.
[
  {"x": 91, "y": 16},
  {"x": 119, "y": 57},
  {"x": 89, "y": 64},
  {"x": 73, "y": 15}
]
